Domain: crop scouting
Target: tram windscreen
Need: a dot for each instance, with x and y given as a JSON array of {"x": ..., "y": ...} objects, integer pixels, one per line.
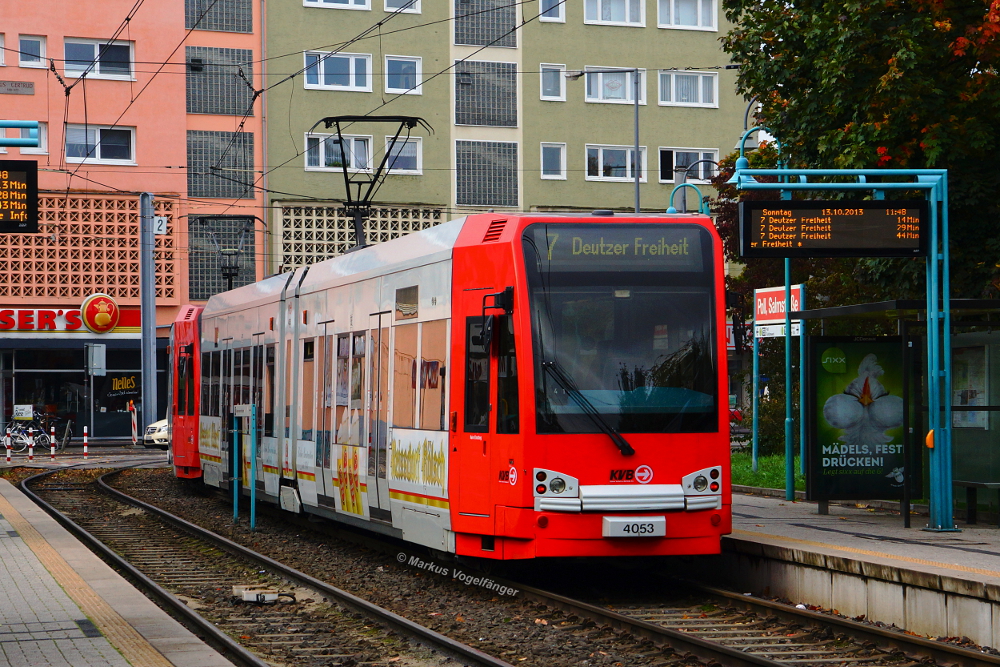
[{"x": 622, "y": 315}]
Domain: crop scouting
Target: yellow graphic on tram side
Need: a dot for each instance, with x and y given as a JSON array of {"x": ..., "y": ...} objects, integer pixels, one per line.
[
  {"x": 348, "y": 477},
  {"x": 419, "y": 463}
]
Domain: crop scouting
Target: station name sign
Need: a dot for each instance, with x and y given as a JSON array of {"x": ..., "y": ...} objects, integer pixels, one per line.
[
  {"x": 790, "y": 228},
  {"x": 18, "y": 196}
]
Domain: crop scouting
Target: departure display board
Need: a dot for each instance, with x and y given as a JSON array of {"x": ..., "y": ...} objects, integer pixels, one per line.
[
  {"x": 18, "y": 196},
  {"x": 790, "y": 228}
]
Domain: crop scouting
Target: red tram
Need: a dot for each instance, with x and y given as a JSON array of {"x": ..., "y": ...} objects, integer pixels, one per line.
[{"x": 500, "y": 386}]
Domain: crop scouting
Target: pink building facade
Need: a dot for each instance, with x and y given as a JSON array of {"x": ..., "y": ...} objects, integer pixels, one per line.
[{"x": 155, "y": 98}]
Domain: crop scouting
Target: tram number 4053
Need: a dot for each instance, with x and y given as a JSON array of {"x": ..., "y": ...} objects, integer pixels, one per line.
[{"x": 647, "y": 526}]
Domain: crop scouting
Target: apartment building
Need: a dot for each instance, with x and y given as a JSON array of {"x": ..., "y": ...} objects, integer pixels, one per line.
[
  {"x": 133, "y": 97},
  {"x": 513, "y": 128}
]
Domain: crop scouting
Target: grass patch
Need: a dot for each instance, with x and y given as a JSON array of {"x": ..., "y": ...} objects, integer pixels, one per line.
[{"x": 770, "y": 471}]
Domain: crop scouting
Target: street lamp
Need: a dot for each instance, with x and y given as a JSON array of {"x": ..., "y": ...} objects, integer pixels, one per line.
[{"x": 635, "y": 100}]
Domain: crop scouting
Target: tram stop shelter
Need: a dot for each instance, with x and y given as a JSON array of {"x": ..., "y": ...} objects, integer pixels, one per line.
[{"x": 975, "y": 389}]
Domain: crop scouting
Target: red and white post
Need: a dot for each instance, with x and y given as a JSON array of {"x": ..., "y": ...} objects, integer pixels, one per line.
[
  {"x": 31, "y": 445},
  {"x": 84, "y": 442},
  {"x": 52, "y": 441},
  {"x": 6, "y": 444}
]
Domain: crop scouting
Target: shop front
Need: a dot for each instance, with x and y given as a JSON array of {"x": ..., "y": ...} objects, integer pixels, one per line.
[{"x": 44, "y": 363}]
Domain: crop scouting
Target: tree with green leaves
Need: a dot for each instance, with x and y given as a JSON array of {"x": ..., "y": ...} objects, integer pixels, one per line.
[{"x": 892, "y": 84}]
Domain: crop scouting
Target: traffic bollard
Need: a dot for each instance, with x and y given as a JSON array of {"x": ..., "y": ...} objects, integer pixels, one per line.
[
  {"x": 84, "y": 442},
  {"x": 6, "y": 444},
  {"x": 52, "y": 441},
  {"x": 31, "y": 445}
]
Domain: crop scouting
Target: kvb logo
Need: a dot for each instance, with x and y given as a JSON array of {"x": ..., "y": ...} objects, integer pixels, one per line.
[
  {"x": 622, "y": 475},
  {"x": 508, "y": 476},
  {"x": 643, "y": 474}
]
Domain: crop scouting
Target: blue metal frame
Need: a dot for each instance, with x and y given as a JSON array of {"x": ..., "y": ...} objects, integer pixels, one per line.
[
  {"x": 30, "y": 125},
  {"x": 702, "y": 205},
  {"x": 934, "y": 184}
]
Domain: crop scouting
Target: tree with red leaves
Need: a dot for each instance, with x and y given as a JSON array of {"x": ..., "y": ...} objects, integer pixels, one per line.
[{"x": 886, "y": 84}]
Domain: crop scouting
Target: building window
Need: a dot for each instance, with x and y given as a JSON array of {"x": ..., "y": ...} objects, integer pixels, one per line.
[
  {"x": 402, "y": 75},
  {"x": 338, "y": 71},
  {"x": 614, "y": 163},
  {"x": 486, "y": 93},
  {"x": 220, "y": 164},
  {"x": 3, "y": 51},
  {"x": 324, "y": 152},
  {"x": 339, "y": 4},
  {"x": 113, "y": 145},
  {"x": 405, "y": 157},
  {"x": 486, "y": 173},
  {"x": 213, "y": 80},
  {"x": 553, "y": 83},
  {"x": 554, "y": 161},
  {"x": 614, "y": 12},
  {"x": 671, "y": 158},
  {"x": 614, "y": 87},
  {"x": 204, "y": 270},
  {"x": 31, "y": 51},
  {"x": 219, "y": 15},
  {"x": 403, "y": 6},
  {"x": 43, "y": 140},
  {"x": 689, "y": 89},
  {"x": 688, "y": 14},
  {"x": 552, "y": 10},
  {"x": 486, "y": 23},
  {"x": 99, "y": 59}
]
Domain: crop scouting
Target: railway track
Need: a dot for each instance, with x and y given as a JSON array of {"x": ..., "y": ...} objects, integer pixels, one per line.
[
  {"x": 720, "y": 627},
  {"x": 196, "y": 573},
  {"x": 754, "y": 631}
]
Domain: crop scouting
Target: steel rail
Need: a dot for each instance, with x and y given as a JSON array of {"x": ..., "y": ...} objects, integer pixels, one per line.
[
  {"x": 215, "y": 637},
  {"x": 911, "y": 645},
  {"x": 704, "y": 649},
  {"x": 465, "y": 654}
]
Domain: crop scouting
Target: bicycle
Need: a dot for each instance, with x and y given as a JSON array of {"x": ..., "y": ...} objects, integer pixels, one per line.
[
  {"x": 21, "y": 433},
  {"x": 50, "y": 424}
]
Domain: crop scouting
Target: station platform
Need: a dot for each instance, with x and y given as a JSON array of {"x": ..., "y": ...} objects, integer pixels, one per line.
[
  {"x": 62, "y": 606},
  {"x": 860, "y": 561}
]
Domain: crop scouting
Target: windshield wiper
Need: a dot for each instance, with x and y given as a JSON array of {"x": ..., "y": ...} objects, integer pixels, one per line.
[{"x": 559, "y": 375}]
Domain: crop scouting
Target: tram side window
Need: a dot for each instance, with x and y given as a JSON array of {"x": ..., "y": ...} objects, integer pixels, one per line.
[
  {"x": 342, "y": 390},
  {"x": 206, "y": 382},
  {"x": 327, "y": 381},
  {"x": 507, "y": 408},
  {"x": 269, "y": 393},
  {"x": 308, "y": 387},
  {"x": 226, "y": 385},
  {"x": 216, "y": 395},
  {"x": 404, "y": 375},
  {"x": 477, "y": 378},
  {"x": 190, "y": 386},
  {"x": 183, "y": 382},
  {"x": 258, "y": 387},
  {"x": 433, "y": 351}
]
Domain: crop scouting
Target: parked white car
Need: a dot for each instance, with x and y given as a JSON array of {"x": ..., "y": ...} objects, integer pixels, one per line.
[{"x": 156, "y": 435}]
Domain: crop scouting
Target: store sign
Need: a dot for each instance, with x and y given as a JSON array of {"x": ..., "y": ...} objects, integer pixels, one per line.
[
  {"x": 100, "y": 313},
  {"x": 45, "y": 322}
]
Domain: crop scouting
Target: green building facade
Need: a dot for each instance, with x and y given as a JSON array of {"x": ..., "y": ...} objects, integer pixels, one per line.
[{"x": 511, "y": 131}]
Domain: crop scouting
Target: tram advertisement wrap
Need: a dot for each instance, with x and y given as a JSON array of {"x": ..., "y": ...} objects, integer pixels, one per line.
[{"x": 855, "y": 404}]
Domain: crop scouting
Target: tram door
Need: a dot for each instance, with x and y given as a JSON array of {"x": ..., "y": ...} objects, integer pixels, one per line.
[{"x": 377, "y": 415}]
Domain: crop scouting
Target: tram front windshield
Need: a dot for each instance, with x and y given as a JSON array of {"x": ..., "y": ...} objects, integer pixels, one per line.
[{"x": 622, "y": 326}]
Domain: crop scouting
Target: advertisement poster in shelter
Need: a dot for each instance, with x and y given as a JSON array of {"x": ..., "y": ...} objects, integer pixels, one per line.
[{"x": 855, "y": 404}]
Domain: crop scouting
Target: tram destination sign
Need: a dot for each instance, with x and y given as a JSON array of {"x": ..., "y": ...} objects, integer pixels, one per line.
[
  {"x": 791, "y": 228},
  {"x": 18, "y": 196}
]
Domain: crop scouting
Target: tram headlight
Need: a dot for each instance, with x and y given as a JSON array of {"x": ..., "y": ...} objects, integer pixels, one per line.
[
  {"x": 557, "y": 485},
  {"x": 700, "y": 483}
]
